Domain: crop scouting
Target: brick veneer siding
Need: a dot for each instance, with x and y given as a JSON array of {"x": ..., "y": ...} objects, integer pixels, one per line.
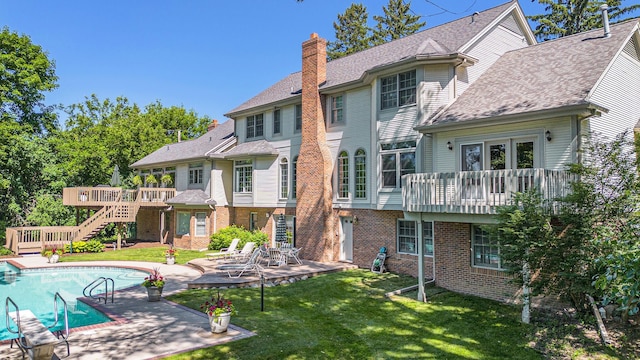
[
  {"x": 190, "y": 241},
  {"x": 148, "y": 224},
  {"x": 314, "y": 214},
  {"x": 455, "y": 272},
  {"x": 265, "y": 224},
  {"x": 375, "y": 229}
]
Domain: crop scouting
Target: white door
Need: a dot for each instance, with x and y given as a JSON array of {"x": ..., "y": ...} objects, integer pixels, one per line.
[{"x": 346, "y": 238}]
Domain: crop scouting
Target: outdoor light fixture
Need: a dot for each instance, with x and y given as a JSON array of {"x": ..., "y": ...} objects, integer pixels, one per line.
[
  {"x": 547, "y": 134},
  {"x": 268, "y": 214},
  {"x": 449, "y": 145},
  {"x": 355, "y": 219}
]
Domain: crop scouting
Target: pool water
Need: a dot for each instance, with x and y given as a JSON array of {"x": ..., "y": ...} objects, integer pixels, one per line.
[{"x": 34, "y": 289}]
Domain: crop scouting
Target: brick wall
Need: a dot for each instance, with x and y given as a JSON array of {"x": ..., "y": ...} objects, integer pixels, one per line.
[
  {"x": 148, "y": 224},
  {"x": 264, "y": 223},
  {"x": 375, "y": 229},
  {"x": 314, "y": 214},
  {"x": 454, "y": 270},
  {"x": 190, "y": 241}
]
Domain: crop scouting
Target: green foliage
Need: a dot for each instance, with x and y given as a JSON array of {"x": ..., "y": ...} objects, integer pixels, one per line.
[
  {"x": 223, "y": 237},
  {"x": 26, "y": 73},
  {"x": 49, "y": 211},
  {"x": 100, "y": 134},
  {"x": 4, "y": 251},
  {"x": 568, "y": 17},
  {"x": 91, "y": 246},
  {"x": 595, "y": 235},
  {"x": 396, "y": 23},
  {"x": 352, "y": 33}
]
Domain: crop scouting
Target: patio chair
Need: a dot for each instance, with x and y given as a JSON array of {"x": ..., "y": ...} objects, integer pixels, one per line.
[
  {"x": 244, "y": 254},
  {"x": 264, "y": 253},
  {"x": 224, "y": 252},
  {"x": 293, "y": 253},
  {"x": 251, "y": 265},
  {"x": 276, "y": 257}
]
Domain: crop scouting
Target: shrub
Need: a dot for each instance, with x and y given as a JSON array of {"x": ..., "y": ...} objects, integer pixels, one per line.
[
  {"x": 223, "y": 237},
  {"x": 5, "y": 251},
  {"x": 93, "y": 246}
]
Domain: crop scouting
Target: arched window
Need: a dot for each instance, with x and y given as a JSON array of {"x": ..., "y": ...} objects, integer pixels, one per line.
[
  {"x": 343, "y": 175},
  {"x": 360, "y": 160},
  {"x": 284, "y": 178},
  {"x": 294, "y": 167}
]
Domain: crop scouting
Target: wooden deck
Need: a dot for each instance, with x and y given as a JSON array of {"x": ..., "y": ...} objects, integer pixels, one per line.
[{"x": 114, "y": 205}]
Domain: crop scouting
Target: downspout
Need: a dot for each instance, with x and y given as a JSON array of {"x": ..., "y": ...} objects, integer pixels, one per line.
[{"x": 455, "y": 78}]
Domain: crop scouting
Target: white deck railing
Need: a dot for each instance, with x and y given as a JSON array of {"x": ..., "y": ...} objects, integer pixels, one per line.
[{"x": 477, "y": 192}]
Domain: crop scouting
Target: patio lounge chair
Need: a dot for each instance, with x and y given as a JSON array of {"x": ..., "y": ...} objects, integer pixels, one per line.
[
  {"x": 224, "y": 252},
  {"x": 252, "y": 265},
  {"x": 293, "y": 253},
  {"x": 244, "y": 254}
]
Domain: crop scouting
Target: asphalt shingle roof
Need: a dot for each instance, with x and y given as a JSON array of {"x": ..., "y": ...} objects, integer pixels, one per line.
[
  {"x": 191, "y": 197},
  {"x": 444, "y": 39},
  {"x": 190, "y": 149},
  {"x": 251, "y": 148},
  {"x": 549, "y": 75}
]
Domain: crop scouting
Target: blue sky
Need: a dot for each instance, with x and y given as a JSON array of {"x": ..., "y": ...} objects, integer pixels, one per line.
[{"x": 209, "y": 56}]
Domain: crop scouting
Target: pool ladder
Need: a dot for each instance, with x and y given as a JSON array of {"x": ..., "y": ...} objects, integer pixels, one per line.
[
  {"x": 62, "y": 334},
  {"x": 88, "y": 290}
]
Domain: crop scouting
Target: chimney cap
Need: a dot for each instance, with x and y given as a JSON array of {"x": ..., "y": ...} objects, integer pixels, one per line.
[{"x": 314, "y": 36}]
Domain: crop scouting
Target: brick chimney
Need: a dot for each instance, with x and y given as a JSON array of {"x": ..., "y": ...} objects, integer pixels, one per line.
[
  {"x": 314, "y": 214},
  {"x": 213, "y": 125}
]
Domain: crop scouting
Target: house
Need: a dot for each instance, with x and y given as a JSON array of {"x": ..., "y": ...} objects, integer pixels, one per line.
[
  {"x": 412, "y": 145},
  {"x": 201, "y": 202}
]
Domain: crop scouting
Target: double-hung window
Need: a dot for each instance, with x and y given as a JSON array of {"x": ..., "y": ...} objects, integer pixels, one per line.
[
  {"x": 284, "y": 178},
  {"x": 276, "y": 122},
  {"x": 294, "y": 179},
  {"x": 195, "y": 173},
  {"x": 397, "y": 159},
  {"x": 485, "y": 248},
  {"x": 244, "y": 176},
  {"x": 337, "y": 110},
  {"x": 408, "y": 237},
  {"x": 201, "y": 224},
  {"x": 361, "y": 174},
  {"x": 398, "y": 90},
  {"x": 255, "y": 126},
  {"x": 343, "y": 175},
  {"x": 298, "y": 118}
]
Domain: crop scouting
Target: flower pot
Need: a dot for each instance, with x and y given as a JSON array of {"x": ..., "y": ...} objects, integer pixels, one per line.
[
  {"x": 54, "y": 258},
  {"x": 171, "y": 260},
  {"x": 154, "y": 293},
  {"x": 219, "y": 323}
]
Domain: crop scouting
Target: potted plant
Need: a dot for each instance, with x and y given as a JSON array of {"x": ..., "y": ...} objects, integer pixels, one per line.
[
  {"x": 52, "y": 254},
  {"x": 151, "y": 180},
  {"x": 166, "y": 179},
  {"x": 154, "y": 284},
  {"x": 171, "y": 254},
  {"x": 219, "y": 311},
  {"x": 137, "y": 180}
]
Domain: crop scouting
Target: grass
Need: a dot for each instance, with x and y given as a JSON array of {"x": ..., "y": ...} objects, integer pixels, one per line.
[
  {"x": 152, "y": 254},
  {"x": 345, "y": 315}
]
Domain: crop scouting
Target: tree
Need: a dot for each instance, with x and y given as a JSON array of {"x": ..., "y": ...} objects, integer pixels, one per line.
[
  {"x": 25, "y": 74},
  {"x": 26, "y": 160},
  {"x": 568, "y": 17},
  {"x": 352, "y": 33},
  {"x": 396, "y": 23}
]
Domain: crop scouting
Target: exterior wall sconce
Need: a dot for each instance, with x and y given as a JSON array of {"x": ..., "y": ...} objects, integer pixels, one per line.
[
  {"x": 268, "y": 214},
  {"x": 449, "y": 145},
  {"x": 355, "y": 219},
  {"x": 547, "y": 135}
]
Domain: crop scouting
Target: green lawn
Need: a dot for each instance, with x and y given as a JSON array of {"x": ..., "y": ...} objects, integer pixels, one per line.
[
  {"x": 152, "y": 254},
  {"x": 346, "y": 316}
]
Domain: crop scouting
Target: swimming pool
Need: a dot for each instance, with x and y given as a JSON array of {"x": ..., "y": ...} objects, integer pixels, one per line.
[{"x": 34, "y": 289}]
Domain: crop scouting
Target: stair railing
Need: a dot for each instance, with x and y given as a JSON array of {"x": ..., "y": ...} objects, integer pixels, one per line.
[
  {"x": 88, "y": 290},
  {"x": 20, "y": 340},
  {"x": 63, "y": 333}
]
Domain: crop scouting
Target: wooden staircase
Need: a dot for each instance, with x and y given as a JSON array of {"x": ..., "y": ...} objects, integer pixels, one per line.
[{"x": 115, "y": 205}]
